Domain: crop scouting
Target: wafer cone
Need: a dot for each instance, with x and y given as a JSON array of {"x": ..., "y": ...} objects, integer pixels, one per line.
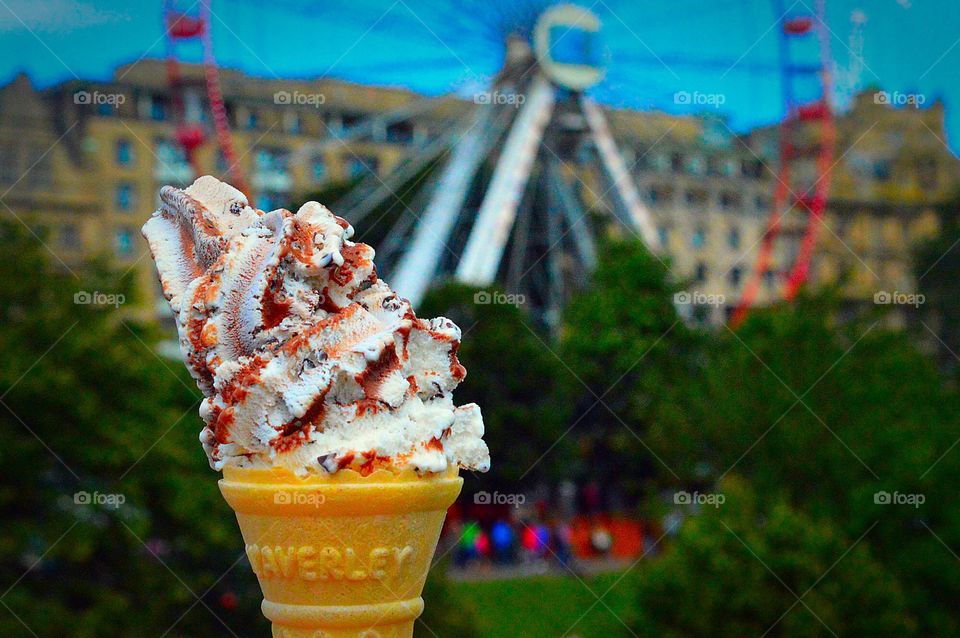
[{"x": 340, "y": 555}]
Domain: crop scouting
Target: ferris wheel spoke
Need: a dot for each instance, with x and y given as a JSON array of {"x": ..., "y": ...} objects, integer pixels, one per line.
[
  {"x": 488, "y": 237},
  {"x": 416, "y": 268}
]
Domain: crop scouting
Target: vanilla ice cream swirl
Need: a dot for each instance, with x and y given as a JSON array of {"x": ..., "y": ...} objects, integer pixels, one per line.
[{"x": 307, "y": 360}]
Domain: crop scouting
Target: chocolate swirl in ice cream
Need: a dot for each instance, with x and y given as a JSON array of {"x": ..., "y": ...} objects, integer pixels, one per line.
[{"x": 306, "y": 359}]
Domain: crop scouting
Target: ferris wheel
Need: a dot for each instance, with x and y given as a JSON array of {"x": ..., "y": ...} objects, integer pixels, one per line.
[{"x": 494, "y": 200}]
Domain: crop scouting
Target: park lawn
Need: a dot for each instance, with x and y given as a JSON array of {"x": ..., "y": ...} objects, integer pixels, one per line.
[{"x": 551, "y": 606}]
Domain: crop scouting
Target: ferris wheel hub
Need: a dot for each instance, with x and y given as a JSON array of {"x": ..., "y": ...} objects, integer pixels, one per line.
[{"x": 567, "y": 46}]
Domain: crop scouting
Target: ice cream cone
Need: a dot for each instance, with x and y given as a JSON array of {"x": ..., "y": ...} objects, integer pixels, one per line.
[{"x": 343, "y": 554}]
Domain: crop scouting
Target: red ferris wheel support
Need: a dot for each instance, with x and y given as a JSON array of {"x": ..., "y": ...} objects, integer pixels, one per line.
[
  {"x": 788, "y": 194},
  {"x": 190, "y": 135}
]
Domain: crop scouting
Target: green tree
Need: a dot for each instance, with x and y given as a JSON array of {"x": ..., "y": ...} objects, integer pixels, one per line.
[
  {"x": 512, "y": 375},
  {"x": 738, "y": 568},
  {"x": 622, "y": 344},
  {"x": 91, "y": 416},
  {"x": 832, "y": 416}
]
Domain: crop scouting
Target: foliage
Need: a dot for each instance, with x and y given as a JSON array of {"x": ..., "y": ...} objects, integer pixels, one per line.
[
  {"x": 89, "y": 408},
  {"x": 513, "y": 376},
  {"x": 739, "y": 568},
  {"x": 833, "y": 417},
  {"x": 622, "y": 345}
]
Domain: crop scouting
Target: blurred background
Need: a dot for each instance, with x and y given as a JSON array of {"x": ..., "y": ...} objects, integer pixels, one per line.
[{"x": 704, "y": 256}]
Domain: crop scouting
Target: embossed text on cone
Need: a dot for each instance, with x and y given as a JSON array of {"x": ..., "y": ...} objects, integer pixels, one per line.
[{"x": 340, "y": 555}]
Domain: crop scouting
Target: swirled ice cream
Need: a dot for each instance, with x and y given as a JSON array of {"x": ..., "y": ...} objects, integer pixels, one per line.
[{"x": 306, "y": 359}]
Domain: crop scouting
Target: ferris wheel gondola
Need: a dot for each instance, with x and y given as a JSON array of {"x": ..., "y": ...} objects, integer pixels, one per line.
[{"x": 190, "y": 133}]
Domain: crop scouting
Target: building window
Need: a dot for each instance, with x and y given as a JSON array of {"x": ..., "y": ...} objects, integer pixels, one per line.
[
  {"x": 699, "y": 237},
  {"x": 700, "y": 273},
  {"x": 730, "y": 200},
  {"x": 927, "y": 172},
  {"x": 123, "y": 241},
  {"x": 736, "y": 274},
  {"x": 349, "y": 120},
  {"x": 751, "y": 168},
  {"x": 124, "y": 152},
  {"x": 733, "y": 237},
  {"x": 319, "y": 169},
  {"x": 271, "y": 200},
  {"x": 171, "y": 166},
  {"x": 882, "y": 170},
  {"x": 768, "y": 279},
  {"x": 360, "y": 166},
  {"x": 695, "y": 165},
  {"x": 400, "y": 133},
  {"x": 660, "y": 195},
  {"x": 158, "y": 108},
  {"x": 123, "y": 197},
  {"x": 663, "y": 233},
  {"x": 291, "y": 122},
  {"x": 660, "y": 162},
  {"x": 696, "y": 197},
  {"x": 676, "y": 162},
  {"x": 272, "y": 171},
  {"x": 69, "y": 237}
]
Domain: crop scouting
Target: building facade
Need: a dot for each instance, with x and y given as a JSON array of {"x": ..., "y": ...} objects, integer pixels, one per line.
[{"x": 86, "y": 160}]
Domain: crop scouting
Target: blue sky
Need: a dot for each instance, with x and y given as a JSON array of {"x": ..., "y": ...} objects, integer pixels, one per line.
[{"x": 654, "y": 49}]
